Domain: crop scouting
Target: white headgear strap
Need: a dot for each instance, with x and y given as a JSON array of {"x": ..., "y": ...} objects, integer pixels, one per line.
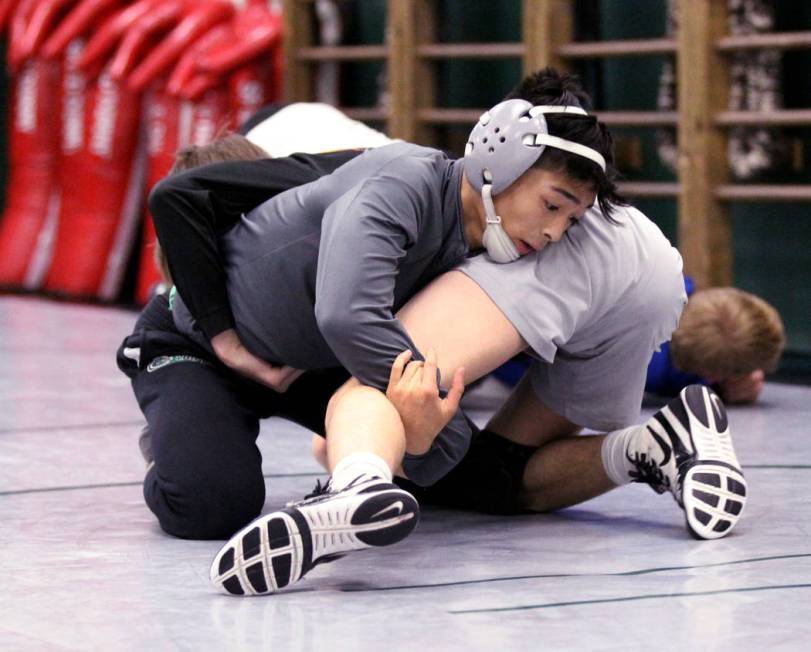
[
  {"x": 562, "y": 143},
  {"x": 500, "y": 248}
]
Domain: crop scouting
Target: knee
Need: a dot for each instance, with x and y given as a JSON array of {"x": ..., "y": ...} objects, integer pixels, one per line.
[
  {"x": 354, "y": 399},
  {"x": 205, "y": 506}
]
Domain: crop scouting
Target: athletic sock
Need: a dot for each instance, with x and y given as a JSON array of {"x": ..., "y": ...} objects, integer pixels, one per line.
[
  {"x": 359, "y": 467},
  {"x": 614, "y": 453}
]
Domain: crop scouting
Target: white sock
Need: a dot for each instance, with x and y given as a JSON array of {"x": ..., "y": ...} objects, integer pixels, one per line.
[
  {"x": 614, "y": 453},
  {"x": 363, "y": 465}
]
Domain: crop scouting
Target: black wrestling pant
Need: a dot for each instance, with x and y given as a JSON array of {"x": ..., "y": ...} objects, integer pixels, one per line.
[{"x": 203, "y": 419}]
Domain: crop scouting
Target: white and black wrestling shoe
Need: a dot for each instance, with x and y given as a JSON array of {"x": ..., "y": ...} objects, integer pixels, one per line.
[
  {"x": 693, "y": 458},
  {"x": 278, "y": 549}
]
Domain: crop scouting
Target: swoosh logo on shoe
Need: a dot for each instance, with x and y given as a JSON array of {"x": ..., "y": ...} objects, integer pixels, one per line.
[
  {"x": 398, "y": 506},
  {"x": 718, "y": 412},
  {"x": 665, "y": 448}
]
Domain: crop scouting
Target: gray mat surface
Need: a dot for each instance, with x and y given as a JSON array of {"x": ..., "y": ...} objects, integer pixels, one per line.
[{"x": 84, "y": 565}]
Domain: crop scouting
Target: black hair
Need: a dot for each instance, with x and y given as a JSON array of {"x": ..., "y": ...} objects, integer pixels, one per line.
[{"x": 548, "y": 86}]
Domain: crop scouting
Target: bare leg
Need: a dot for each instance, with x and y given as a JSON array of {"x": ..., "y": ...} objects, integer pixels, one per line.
[
  {"x": 524, "y": 419},
  {"x": 318, "y": 448},
  {"x": 563, "y": 473},
  {"x": 457, "y": 318},
  {"x": 566, "y": 469},
  {"x": 361, "y": 419},
  {"x": 365, "y": 434}
]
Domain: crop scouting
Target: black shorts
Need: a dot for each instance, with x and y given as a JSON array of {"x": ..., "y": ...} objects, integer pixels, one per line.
[{"x": 488, "y": 479}]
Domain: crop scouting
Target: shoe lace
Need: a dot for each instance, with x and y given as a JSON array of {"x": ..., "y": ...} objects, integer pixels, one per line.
[
  {"x": 320, "y": 489},
  {"x": 324, "y": 491},
  {"x": 648, "y": 470}
]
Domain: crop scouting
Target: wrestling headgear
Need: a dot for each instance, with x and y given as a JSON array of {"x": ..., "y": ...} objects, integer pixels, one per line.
[{"x": 505, "y": 143}]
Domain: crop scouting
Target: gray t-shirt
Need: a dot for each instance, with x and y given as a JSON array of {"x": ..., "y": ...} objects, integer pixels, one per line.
[{"x": 593, "y": 308}]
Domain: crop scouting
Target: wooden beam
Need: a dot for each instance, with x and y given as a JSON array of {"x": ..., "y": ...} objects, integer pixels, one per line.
[
  {"x": 763, "y": 193},
  {"x": 471, "y": 51},
  {"x": 449, "y": 116},
  {"x": 546, "y": 26},
  {"x": 652, "y": 189},
  {"x": 779, "y": 40},
  {"x": 298, "y": 75},
  {"x": 619, "y": 48},
  {"x": 411, "y": 25},
  {"x": 784, "y": 118},
  {"x": 401, "y": 41},
  {"x": 612, "y": 118},
  {"x": 342, "y": 53},
  {"x": 638, "y": 118},
  {"x": 366, "y": 113},
  {"x": 704, "y": 231}
]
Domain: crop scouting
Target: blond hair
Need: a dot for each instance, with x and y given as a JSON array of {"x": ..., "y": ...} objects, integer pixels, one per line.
[
  {"x": 726, "y": 331},
  {"x": 233, "y": 147}
]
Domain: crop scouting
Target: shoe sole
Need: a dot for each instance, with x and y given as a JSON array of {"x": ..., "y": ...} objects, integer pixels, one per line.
[
  {"x": 713, "y": 486},
  {"x": 277, "y": 550},
  {"x": 714, "y": 496}
]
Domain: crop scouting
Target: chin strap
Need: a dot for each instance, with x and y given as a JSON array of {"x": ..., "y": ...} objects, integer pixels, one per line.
[{"x": 499, "y": 246}]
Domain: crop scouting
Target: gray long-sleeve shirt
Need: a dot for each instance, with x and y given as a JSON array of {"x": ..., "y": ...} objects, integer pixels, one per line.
[{"x": 315, "y": 274}]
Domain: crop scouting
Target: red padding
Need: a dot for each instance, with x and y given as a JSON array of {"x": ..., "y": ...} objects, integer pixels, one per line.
[
  {"x": 32, "y": 200},
  {"x": 172, "y": 124},
  {"x": 102, "y": 187},
  {"x": 251, "y": 88}
]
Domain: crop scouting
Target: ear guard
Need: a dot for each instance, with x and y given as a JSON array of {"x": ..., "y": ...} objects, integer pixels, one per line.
[{"x": 505, "y": 143}]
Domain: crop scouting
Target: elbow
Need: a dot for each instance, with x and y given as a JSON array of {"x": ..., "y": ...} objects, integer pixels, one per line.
[
  {"x": 343, "y": 326},
  {"x": 335, "y": 325},
  {"x": 159, "y": 197},
  {"x": 173, "y": 189}
]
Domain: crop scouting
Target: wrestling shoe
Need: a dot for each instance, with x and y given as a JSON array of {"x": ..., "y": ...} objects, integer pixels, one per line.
[
  {"x": 278, "y": 549},
  {"x": 689, "y": 453}
]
